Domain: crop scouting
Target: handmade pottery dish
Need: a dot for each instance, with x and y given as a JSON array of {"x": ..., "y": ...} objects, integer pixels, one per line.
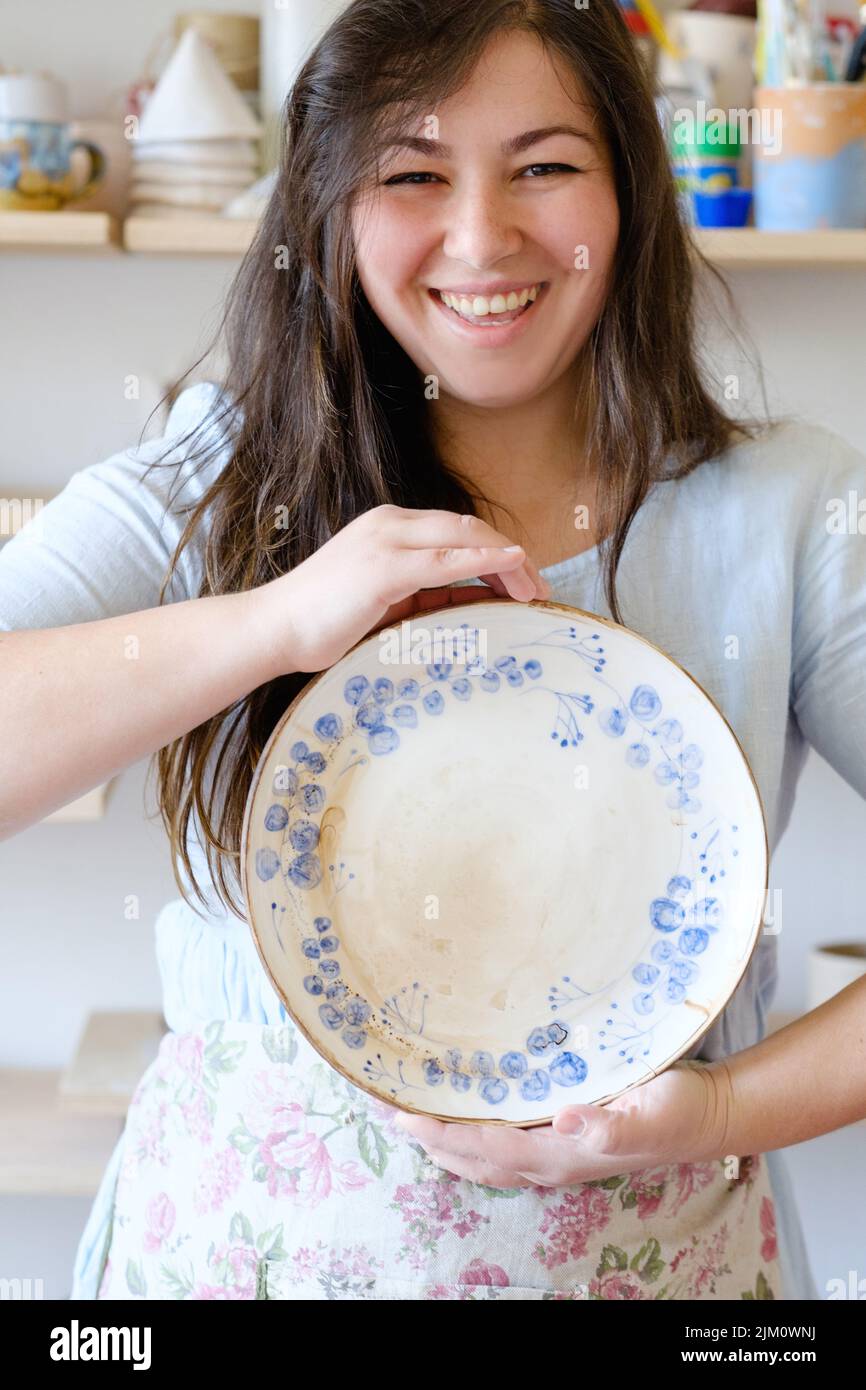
[{"x": 506, "y": 857}]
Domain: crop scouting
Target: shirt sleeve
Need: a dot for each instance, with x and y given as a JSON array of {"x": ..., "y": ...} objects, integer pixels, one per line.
[
  {"x": 828, "y": 666},
  {"x": 102, "y": 546}
]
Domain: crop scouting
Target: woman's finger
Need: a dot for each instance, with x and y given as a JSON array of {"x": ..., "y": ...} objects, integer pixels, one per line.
[
  {"x": 412, "y": 570},
  {"x": 435, "y": 529},
  {"x": 502, "y": 1146},
  {"x": 495, "y": 583},
  {"x": 479, "y": 1171}
]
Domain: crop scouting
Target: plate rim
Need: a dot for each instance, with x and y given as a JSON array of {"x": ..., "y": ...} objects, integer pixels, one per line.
[{"x": 453, "y": 608}]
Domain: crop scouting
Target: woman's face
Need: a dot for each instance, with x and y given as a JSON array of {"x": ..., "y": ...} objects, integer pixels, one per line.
[{"x": 473, "y": 218}]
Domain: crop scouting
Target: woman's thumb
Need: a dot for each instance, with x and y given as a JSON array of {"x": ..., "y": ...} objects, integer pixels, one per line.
[{"x": 577, "y": 1121}]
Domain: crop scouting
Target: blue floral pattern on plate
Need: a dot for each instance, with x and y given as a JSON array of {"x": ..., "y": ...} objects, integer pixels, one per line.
[{"x": 370, "y": 724}]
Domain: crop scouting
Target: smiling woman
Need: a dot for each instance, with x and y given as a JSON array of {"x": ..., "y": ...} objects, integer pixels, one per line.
[
  {"x": 470, "y": 149},
  {"x": 446, "y": 213},
  {"x": 492, "y": 272},
  {"x": 481, "y": 304}
]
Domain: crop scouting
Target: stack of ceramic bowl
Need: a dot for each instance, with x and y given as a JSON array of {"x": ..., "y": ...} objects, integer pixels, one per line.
[{"x": 198, "y": 141}]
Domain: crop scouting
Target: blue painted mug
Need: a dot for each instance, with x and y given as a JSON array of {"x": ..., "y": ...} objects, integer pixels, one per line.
[
  {"x": 36, "y": 165},
  {"x": 813, "y": 173},
  {"x": 36, "y": 147}
]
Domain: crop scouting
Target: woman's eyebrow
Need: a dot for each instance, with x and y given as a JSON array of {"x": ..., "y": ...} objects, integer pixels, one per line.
[{"x": 516, "y": 144}]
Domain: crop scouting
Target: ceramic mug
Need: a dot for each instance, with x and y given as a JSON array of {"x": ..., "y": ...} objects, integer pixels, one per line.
[
  {"x": 815, "y": 174},
  {"x": 725, "y": 44},
  {"x": 36, "y": 149}
]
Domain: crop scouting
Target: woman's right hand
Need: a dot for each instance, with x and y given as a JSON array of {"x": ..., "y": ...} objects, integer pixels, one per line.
[{"x": 386, "y": 565}]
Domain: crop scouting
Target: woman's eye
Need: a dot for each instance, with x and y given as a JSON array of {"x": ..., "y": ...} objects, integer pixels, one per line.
[
  {"x": 558, "y": 168},
  {"x": 405, "y": 178},
  {"x": 421, "y": 176}
]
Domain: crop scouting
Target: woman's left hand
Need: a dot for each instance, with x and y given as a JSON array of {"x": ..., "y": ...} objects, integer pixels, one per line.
[{"x": 681, "y": 1116}]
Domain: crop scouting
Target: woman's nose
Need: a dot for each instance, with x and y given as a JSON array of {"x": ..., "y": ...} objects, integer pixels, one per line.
[{"x": 481, "y": 227}]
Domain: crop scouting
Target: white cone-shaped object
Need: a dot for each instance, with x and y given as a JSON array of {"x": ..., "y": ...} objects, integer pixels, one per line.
[
  {"x": 194, "y": 99},
  {"x": 242, "y": 153},
  {"x": 203, "y": 195},
  {"x": 163, "y": 171}
]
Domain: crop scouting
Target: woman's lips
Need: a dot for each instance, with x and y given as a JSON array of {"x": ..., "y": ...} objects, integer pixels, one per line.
[{"x": 495, "y": 331}]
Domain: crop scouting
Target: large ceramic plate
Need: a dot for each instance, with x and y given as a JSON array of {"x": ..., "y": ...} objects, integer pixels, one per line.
[{"x": 493, "y": 878}]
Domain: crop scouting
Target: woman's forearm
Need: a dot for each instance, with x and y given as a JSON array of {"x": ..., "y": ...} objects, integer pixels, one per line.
[
  {"x": 78, "y": 704},
  {"x": 805, "y": 1080}
]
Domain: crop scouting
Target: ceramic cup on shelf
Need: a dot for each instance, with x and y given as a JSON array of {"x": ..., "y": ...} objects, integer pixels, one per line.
[
  {"x": 112, "y": 194},
  {"x": 812, "y": 172},
  {"x": 36, "y": 149},
  {"x": 725, "y": 44},
  {"x": 706, "y": 159},
  {"x": 832, "y": 966}
]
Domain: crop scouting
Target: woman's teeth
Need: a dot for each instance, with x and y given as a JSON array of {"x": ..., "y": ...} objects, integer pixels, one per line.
[{"x": 479, "y": 309}]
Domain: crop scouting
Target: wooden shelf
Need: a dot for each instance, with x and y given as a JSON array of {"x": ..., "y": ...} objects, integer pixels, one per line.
[
  {"x": 736, "y": 248},
  {"x": 748, "y": 248},
  {"x": 43, "y": 1149},
  {"x": 59, "y": 231},
  {"x": 16, "y": 509},
  {"x": 90, "y": 807},
  {"x": 60, "y": 1127},
  {"x": 189, "y": 236},
  {"x": 114, "y": 1052}
]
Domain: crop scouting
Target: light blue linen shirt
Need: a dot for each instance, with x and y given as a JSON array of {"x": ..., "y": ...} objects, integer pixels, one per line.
[{"x": 741, "y": 549}]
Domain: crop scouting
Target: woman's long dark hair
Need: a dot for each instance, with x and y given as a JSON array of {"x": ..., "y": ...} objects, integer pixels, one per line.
[{"x": 331, "y": 418}]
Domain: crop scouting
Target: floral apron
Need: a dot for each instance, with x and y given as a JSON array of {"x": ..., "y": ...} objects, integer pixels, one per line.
[{"x": 251, "y": 1169}]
